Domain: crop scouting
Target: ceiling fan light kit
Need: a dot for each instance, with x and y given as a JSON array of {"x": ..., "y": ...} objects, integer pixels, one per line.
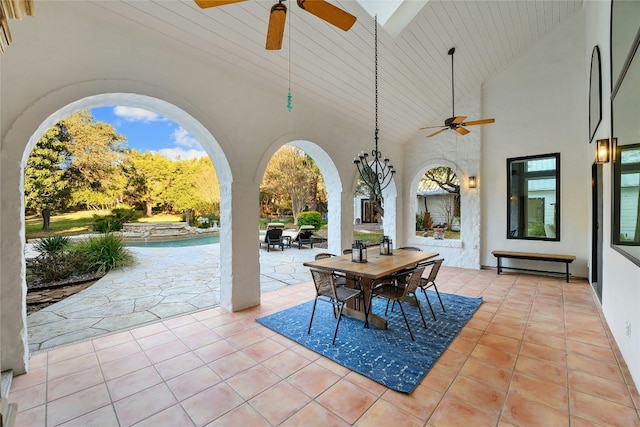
[{"x": 454, "y": 122}]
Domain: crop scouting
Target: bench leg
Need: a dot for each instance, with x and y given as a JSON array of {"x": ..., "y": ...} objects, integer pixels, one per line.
[
  {"x": 567, "y": 274},
  {"x": 499, "y": 269}
]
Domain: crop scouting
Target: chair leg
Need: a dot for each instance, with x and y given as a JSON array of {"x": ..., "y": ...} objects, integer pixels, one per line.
[
  {"x": 406, "y": 321},
  {"x": 312, "y": 313},
  {"x": 420, "y": 310},
  {"x": 429, "y": 302},
  {"x": 366, "y": 313},
  {"x": 438, "y": 293},
  {"x": 337, "y": 324}
]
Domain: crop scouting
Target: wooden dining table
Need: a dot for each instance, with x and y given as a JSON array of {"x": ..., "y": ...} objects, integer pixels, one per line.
[{"x": 368, "y": 273}]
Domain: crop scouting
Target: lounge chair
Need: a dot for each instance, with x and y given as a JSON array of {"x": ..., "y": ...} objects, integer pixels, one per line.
[
  {"x": 273, "y": 237},
  {"x": 301, "y": 236}
]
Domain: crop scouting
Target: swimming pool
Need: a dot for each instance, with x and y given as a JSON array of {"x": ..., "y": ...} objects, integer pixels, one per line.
[{"x": 196, "y": 241}]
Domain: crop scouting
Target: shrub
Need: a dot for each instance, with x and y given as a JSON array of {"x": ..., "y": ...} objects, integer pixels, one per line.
[
  {"x": 536, "y": 229},
  {"x": 51, "y": 245},
  {"x": 51, "y": 267},
  {"x": 105, "y": 252},
  {"x": 310, "y": 218},
  {"x": 113, "y": 222},
  {"x": 125, "y": 215}
]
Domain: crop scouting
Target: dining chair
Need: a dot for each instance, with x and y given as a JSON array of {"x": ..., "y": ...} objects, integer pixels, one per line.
[
  {"x": 338, "y": 296},
  {"x": 341, "y": 279},
  {"x": 398, "y": 291},
  {"x": 430, "y": 281}
]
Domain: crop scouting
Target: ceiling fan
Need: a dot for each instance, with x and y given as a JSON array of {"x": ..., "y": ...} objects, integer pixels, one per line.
[
  {"x": 454, "y": 122},
  {"x": 320, "y": 8}
]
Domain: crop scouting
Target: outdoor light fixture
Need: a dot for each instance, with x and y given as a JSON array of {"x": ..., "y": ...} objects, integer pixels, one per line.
[
  {"x": 472, "y": 182},
  {"x": 377, "y": 173},
  {"x": 603, "y": 151}
]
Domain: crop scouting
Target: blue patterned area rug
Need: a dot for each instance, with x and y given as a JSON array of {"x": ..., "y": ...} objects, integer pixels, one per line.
[{"x": 388, "y": 357}]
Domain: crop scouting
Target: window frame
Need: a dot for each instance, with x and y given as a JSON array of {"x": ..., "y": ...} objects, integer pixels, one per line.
[{"x": 536, "y": 174}]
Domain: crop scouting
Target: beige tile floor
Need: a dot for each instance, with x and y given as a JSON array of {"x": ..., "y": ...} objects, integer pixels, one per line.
[{"x": 536, "y": 353}]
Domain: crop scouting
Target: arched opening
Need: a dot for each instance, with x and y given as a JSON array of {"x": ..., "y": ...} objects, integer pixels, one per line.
[
  {"x": 147, "y": 194},
  {"x": 18, "y": 144}
]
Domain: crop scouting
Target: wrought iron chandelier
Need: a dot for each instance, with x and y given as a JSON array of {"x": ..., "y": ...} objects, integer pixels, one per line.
[{"x": 376, "y": 174}]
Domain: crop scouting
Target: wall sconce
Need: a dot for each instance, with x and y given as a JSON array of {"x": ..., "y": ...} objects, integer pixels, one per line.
[
  {"x": 603, "y": 152},
  {"x": 473, "y": 183}
]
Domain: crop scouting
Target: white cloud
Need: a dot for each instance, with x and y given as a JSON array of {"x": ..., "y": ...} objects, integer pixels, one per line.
[
  {"x": 182, "y": 137},
  {"x": 180, "y": 153},
  {"x": 132, "y": 114}
]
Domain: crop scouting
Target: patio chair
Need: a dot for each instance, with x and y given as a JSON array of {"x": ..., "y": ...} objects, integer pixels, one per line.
[
  {"x": 341, "y": 279},
  {"x": 430, "y": 281},
  {"x": 273, "y": 237},
  {"x": 301, "y": 236},
  {"x": 398, "y": 291},
  {"x": 328, "y": 291}
]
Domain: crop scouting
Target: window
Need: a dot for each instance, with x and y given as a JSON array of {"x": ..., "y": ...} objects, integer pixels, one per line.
[
  {"x": 533, "y": 205},
  {"x": 625, "y": 96}
]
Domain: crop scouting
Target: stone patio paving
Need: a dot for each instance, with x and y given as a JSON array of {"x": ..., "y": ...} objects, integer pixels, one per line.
[{"x": 164, "y": 282}]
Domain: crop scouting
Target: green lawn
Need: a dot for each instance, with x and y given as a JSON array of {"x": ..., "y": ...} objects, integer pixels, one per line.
[{"x": 79, "y": 222}]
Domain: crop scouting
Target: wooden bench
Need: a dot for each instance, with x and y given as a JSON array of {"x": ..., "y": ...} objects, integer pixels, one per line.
[{"x": 567, "y": 259}]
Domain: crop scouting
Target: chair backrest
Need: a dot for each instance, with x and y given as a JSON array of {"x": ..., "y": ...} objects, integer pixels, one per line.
[
  {"x": 414, "y": 281},
  {"x": 306, "y": 231},
  {"x": 273, "y": 234},
  {"x": 323, "y": 255},
  {"x": 325, "y": 283},
  {"x": 434, "y": 270},
  {"x": 275, "y": 225}
]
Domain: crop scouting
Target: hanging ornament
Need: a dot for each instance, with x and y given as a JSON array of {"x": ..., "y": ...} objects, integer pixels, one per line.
[{"x": 289, "y": 106}]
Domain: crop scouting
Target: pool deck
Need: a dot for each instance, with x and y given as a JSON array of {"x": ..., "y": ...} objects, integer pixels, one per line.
[{"x": 163, "y": 283}]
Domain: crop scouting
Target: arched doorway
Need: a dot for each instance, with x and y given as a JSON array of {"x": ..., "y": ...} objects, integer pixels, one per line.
[{"x": 18, "y": 143}]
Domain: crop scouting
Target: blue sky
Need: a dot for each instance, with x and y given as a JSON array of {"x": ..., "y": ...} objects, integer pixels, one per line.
[{"x": 149, "y": 131}]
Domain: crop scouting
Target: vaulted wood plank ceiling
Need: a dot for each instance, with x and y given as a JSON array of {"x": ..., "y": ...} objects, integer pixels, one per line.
[{"x": 333, "y": 70}]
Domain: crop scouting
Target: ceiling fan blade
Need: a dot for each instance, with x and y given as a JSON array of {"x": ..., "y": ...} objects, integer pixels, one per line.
[
  {"x": 437, "y": 132},
  {"x": 461, "y": 130},
  {"x": 213, "y": 3},
  {"x": 479, "y": 122},
  {"x": 275, "y": 33},
  {"x": 430, "y": 127},
  {"x": 459, "y": 119},
  {"x": 328, "y": 12}
]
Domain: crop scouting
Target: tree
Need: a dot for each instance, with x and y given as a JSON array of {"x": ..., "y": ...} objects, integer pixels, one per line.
[
  {"x": 96, "y": 153},
  {"x": 291, "y": 180},
  {"x": 148, "y": 177},
  {"x": 45, "y": 179},
  {"x": 445, "y": 178}
]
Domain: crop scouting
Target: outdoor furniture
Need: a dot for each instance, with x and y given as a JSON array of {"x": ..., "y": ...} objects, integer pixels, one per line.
[
  {"x": 327, "y": 290},
  {"x": 566, "y": 259},
  {"x": 367, "y": 274},
  {"x": 399, "y": 290},
  {"x": 273, "y": 237},
  {"x": 430, "y": 281},
  {"x": 301, "y": 236}
]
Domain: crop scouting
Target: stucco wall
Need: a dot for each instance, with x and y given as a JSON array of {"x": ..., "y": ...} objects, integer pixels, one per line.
[
  {"x": 539, "y": 103},
  {"x": 621, "y": 278},
  {"x": 48, "y": 73}
]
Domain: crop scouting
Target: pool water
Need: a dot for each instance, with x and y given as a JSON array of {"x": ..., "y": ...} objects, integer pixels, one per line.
[{"x": 196, "y": 241}]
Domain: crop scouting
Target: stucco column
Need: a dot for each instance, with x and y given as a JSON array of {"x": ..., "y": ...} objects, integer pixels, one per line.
[
  {"x": 13, "y": 289},
  {"x": 239, "y": 248}
]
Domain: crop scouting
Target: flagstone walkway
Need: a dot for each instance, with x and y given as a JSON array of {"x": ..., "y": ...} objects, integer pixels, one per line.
[{"x": 163, "y": 283}]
